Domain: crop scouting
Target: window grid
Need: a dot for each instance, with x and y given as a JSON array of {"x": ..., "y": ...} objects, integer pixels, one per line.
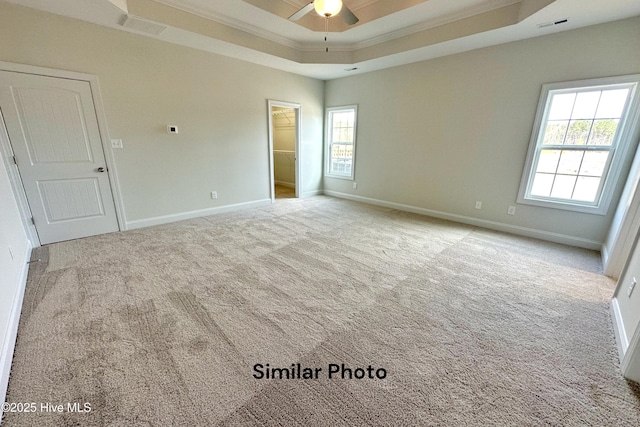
[
  {"x": 341, "y": 141},
  {"x": 584, "y": 142},
  {"x": 577, "y": 136}
]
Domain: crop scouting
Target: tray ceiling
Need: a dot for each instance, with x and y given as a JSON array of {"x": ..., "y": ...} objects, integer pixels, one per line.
[
  {"x": 366, "y": 10},
  {"x": 390, "y": 32}
]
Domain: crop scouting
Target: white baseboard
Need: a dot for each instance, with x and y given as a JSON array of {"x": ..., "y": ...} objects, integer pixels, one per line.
[
  {"x": 285, "y": 184},
  {"x": 166, "y": 219},
  {"x": 630, "y": 365},
  {"x": 312, "y": 193},
  {"x": 604, "y": 255},
  {"x": 6, "y": 355},
  {"x": 493, "y": 225},
  {"x": 622, "y": 341}
]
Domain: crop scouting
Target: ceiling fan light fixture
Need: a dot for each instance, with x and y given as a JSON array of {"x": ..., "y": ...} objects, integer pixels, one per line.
[{"x": 327, "y": 8}]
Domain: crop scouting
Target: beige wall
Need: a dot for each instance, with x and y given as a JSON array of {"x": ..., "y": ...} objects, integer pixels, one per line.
[
  {"x": 626, "y": 316},
  {"x": 444, "y": 133},
  {"x": 629, "y": 306},
  {"x": 438, "y": 134},
  {"x": 284, "y": 168},
  {"x": 284, "y": 129},
  {"x": 14, "y": 254},
  {"x": 218, "y": 103},
  {"x": 284, "y": 138}
]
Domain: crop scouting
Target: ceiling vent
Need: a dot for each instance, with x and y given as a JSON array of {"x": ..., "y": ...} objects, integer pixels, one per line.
[
  {"x": 141, "y": 25},
  {"x": 552, "y": 23}
]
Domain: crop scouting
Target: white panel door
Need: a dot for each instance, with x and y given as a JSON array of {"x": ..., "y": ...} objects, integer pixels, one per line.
[{"x": 54, "y": 134}]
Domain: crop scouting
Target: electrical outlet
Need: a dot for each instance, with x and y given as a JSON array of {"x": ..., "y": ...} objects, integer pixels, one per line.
[
  {"x": 511, "y": 210},
  {"x": 214, "y": 194},
  {"x": 355, "y": 185},
  {"x": 632, "y": 286},
  {"x": 478, "y": 204},
  {"x": 116, "y": 143}
]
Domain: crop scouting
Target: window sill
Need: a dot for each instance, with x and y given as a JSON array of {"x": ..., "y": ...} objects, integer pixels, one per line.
[
  {"x": 345, "y": 177},
  {"x": 566, "y": 206}
]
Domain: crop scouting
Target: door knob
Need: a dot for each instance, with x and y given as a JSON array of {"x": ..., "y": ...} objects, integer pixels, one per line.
[{"x": 100, "y": 170}]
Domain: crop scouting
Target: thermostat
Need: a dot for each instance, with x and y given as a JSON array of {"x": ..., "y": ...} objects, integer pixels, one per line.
[{"x": 172, "y": 129}]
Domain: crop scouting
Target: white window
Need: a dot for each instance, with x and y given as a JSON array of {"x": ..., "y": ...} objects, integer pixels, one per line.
[
  {"x": 341, "y": 141},
  {"x": 581, "y": 136}
]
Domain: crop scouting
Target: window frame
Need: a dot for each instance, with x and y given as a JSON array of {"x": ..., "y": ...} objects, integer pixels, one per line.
[
  {"x": 620, "y": 148},
  {"x": 328, "y": 140}
]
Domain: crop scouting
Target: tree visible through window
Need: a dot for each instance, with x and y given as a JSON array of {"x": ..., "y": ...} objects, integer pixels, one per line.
[
  {"x": 341, "y": 139},
  {"x": 575, "y": 144}
]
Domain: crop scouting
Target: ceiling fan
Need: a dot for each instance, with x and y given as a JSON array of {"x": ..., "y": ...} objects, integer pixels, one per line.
[{"x": 327, "y": 9}]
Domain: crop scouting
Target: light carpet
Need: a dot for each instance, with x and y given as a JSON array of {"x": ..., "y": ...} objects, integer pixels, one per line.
[{"x": 163, "y": 326}]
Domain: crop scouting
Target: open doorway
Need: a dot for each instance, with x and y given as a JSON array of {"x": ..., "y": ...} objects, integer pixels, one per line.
[{"x": 284, "y": 131}]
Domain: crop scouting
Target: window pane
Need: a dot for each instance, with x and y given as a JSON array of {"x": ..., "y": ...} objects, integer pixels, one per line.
[
  {"x": 341, "y": 151},
  {"x": 341, "y": 167},
  {"x": 346, "y": 135},
  {"x": 574, "y": 142},
  {"x": 341, "y": 159},
  {"x": 555, "y": 132},
  {"x": 586, "y": 189},
  {"x": 570, "y": 162},
  {"x": 343, "y": 119},
  {"x": 612, "y": 103},
  {"x": 561, "y": 106},
  {"x": 593, "y": 163},
  {"x": 585, "y": 106},
  {"x": 542, "y": 184},
  {"x": 548, "y": 161},
  {"x": 563, "y": 186},
  {"x": 342, "y": 126},
  {"x": 341, "y": 135},
  {"x": 603, "y": 131},
  {"x": 578, "y": 132}
]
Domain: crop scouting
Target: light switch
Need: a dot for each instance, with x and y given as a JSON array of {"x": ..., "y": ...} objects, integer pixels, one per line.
[{"x": 116, "y": 143}]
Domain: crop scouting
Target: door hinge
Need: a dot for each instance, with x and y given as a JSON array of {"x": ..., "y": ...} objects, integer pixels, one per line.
[
  {"x": 15, "y": 162},
  {"x": 32, "y": 221}
]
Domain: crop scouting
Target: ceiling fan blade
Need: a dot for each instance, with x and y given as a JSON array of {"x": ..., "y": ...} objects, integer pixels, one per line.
[
  {"x": 347, "y": 15},
  {"x": 299, "y": 14}
]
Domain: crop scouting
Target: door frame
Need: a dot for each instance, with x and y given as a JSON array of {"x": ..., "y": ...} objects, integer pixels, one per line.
[
  {"x": 298, "y": 173},
  {"x": 7, "y": 151}
]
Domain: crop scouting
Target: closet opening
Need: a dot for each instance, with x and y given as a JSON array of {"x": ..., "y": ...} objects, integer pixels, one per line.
[{"x": 284, "y": 150}]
